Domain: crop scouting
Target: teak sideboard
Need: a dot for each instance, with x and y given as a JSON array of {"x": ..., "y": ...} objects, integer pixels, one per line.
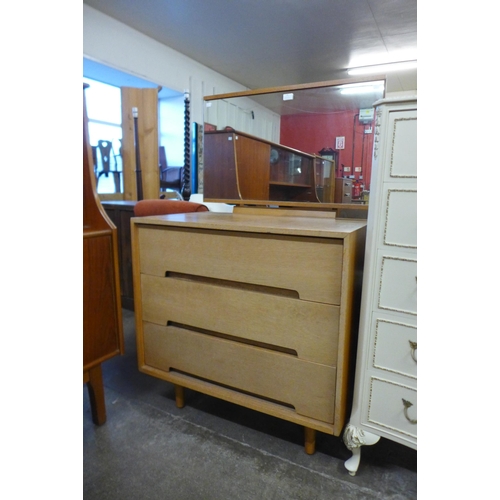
[
  {"x": 239, "y": 166},
  {"x": 258, "y": 310}
]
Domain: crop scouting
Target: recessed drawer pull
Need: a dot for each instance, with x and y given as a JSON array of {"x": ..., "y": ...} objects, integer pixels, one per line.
[
  {"x": 413, "y": 346},
  {"x": 407, "y": 405}
]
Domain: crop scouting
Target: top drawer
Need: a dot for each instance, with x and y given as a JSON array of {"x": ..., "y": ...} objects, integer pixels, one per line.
[
  {"x": 402, "y": 155},
  {"x": 310, "y": 267}
]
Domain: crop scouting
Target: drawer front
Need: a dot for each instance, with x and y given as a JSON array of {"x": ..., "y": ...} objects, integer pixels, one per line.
[
  {"x": 403, "y": 147},
  {"x": 401, "y": 217},
  {"x": 346, "y": 187},
  {"x": 310, "y": 329},
  {"x": 268, "y": 260},
  {"x": 308, "y": 387},
  {"x": 395, "y": 347},
  {"x": 387, "y": 407},
  {"x": 398, "y": 284}
]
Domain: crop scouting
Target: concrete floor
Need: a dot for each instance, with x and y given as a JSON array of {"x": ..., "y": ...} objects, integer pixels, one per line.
[{"x": 213, "y": 450}]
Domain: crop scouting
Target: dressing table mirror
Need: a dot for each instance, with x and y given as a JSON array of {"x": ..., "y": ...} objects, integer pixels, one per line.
[{"x": 298, "y": 146}]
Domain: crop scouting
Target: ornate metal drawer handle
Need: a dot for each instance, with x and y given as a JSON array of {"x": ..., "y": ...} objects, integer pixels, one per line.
[
  {"x": 413, "y": 346},
  {"x": 407, "y": 405}
]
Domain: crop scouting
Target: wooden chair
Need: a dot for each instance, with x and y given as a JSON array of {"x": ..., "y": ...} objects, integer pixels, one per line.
[
  {"x": 145, "y": 208},
  {"x": 170, "y": 177},
  {"x": 106, "y": 149}
]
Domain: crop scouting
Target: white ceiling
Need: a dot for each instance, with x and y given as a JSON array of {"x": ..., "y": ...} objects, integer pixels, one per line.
[{"x": 266, "y": 43}]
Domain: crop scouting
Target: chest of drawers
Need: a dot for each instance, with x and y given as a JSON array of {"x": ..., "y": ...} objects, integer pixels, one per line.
[
  {"x": 254, "y": 309},
  {"x": 385, "y": 396}
]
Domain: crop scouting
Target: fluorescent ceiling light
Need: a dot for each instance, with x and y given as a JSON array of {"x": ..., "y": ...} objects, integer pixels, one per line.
[
  {"x": 382, "y": 68},
  {"x": 361, "y": 88}
]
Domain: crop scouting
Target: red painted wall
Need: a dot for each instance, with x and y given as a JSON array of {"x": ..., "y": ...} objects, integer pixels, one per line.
[{"x": 312, "y": 133}]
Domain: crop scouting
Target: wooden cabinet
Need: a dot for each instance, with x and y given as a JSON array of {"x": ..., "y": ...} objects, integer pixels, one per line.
[
  {"x": 385, "y": 397},
  {"x": 254, "y": 309},
  {"x": 343, "y": 190},
  {"x": 102, "y": 316},
  {"x": 324, "y": 170},
  {"x": 120, "y": 213},
  {"x": 240, "y": 167}
]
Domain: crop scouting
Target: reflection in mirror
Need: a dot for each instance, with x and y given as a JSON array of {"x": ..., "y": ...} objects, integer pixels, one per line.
[
  {"x": 105, "y": 134},
  {"x": 115, "y": 175},
  {"x": 296, "y": 145}
]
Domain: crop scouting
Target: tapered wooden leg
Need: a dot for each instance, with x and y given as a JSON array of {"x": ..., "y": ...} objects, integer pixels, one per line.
[
  {"x": 96, "y": 395},
  {"x": 179, "y": 396},
  {"x": 310, "y": 440}
]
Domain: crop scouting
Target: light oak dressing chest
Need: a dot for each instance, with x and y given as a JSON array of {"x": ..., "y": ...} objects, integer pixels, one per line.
[{"x": 259, "y": 310}]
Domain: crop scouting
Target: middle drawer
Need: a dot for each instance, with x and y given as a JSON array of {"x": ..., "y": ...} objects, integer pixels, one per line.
[
  {"x": 310, "y": 329},
  {"x": 397, "y": 283}
]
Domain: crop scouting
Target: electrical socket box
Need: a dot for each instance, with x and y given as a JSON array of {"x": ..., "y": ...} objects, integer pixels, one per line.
[{"x": 366, "y": 115}]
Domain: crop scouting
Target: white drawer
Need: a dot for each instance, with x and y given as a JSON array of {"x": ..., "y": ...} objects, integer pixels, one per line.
[
  {"x": 397, "y": 284},
  {"x": 393, "y": 407},
  {"x": 400, "y": 225},
  {"x": 395, "y": 347},
  {"x": 402, "y": 155}
]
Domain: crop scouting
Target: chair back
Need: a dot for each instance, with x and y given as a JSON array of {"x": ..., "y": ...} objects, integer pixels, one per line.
[
  {"x": 145, "y": 208},
  {"x": 105, "y": 148}
]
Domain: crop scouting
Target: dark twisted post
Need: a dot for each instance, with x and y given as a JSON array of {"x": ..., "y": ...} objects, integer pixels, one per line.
[
  {"x": 138, "y": 172},
  {"x": 186, "y": 181}
]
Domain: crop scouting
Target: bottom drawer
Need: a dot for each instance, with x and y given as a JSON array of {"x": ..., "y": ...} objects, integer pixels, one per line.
[
  {"x": 387, "y": 408},
  {"x": 283, "y": 378}
]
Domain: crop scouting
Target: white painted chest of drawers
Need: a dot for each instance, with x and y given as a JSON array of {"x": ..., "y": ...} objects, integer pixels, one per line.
[{"x": 385, "y": 396}]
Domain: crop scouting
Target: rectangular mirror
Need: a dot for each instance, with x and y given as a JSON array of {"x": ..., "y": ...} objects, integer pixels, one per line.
[{"x": 301, "y": 145}]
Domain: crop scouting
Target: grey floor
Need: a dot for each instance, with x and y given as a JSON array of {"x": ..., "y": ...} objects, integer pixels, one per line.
[{"x": 213, "y": 450}]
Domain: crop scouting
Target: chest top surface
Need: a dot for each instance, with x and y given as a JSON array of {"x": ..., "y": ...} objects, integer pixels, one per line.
[{"x": 272, "y": 224}]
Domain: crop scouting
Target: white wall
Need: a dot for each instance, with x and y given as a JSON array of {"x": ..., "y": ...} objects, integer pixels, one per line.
[
  {"x": 115, "y": 44},
  {"x": 118, "y": 46}
]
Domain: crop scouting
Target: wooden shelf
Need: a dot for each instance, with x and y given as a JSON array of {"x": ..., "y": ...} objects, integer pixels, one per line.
[{"x": 289, "y": 184}]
